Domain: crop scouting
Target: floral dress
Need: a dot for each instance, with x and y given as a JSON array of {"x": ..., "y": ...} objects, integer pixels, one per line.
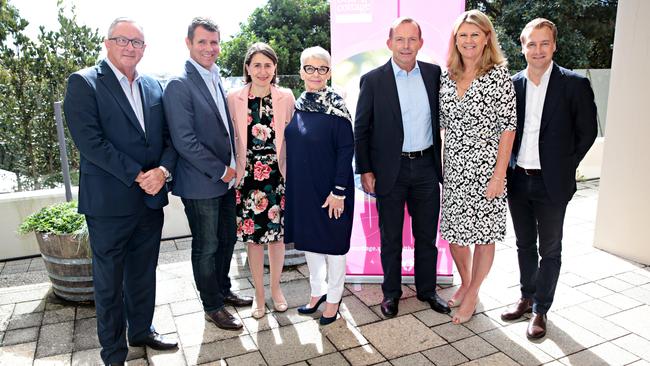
[
  {"x": 473, "y": 126},
  {"x": 260, "y": 194}
]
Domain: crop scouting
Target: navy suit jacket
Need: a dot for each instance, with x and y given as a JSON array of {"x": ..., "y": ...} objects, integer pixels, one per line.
[
  {"x": 378, "y": 126},
  {"x": 568, "y": 129},
  {"x": 113, "y": 146},
  {"x": 204, "y": 145}
]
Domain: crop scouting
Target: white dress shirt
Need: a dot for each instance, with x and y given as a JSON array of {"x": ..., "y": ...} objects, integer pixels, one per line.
[
  {"x": 131, "y": 90},
  {"x": 535, "y": 95}
]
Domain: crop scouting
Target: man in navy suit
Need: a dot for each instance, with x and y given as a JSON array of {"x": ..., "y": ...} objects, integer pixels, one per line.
[
  {"x": 556, "y": 126},
  {"x": 202, "y": 132},
  {"x": 116, "y": 119},
  {"x": 397, "y": 153}
]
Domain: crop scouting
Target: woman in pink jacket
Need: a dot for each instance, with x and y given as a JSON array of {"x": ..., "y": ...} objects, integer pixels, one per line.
[{"x": 260, "y": 111}]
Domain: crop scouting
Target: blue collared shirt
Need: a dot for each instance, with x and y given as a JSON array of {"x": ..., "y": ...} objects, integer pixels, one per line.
[{"x": 414, "y": 104}]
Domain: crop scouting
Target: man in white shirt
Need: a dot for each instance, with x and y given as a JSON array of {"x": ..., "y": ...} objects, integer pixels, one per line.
[
  {"x": 116, "y": 120},
  {"x": 202, "y": 133},
  {"x": 556, "y": 126}
]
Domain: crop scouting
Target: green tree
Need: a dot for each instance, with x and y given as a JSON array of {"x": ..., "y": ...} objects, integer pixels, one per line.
[
  {"x": 289, "y": 26},
  {"x": 585, "y": 28},
  {"x": 33, "y": 77}
]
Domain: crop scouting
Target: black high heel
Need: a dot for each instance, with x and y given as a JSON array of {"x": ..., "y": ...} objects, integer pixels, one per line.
[
  {"x": 324, "y": 320},
  {"x": 306, "y": 310}
]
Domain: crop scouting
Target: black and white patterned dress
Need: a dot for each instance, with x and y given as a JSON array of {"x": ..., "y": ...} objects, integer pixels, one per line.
[{"x": 473, "y": 126}]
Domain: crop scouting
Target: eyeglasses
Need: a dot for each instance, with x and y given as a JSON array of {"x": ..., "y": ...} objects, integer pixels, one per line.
[
  {"x": 309, "y": 69},
  {"x": 123, "y": 42}
]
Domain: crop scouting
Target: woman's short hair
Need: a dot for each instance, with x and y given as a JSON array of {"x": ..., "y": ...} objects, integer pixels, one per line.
[
  {"x": 316, "y": 52},
  {"x": 492, "y": 54},
  {"x": 537, "y": 24},
  {"x": 266, "y": 50}
]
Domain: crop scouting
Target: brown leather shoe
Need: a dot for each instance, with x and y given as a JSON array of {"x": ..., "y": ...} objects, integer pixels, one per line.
[
  {"x": 536, "y": 326},
  {"x": 518, "y": 309},
  {"x": 223, "y": 319},
  {"x": 237, "y": 300}
]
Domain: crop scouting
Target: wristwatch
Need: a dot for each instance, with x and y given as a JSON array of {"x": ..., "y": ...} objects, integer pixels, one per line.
[{"x": 168, "y": 175}]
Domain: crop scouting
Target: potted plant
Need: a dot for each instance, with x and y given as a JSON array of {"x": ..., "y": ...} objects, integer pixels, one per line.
[{"x": 62, "y": 237}]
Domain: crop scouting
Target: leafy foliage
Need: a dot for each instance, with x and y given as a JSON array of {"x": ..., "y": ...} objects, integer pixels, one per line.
[
  {"x": 61, "y": 218},
  {"x": 585, "y": 28},
  {"x": 32, "y": 78}
]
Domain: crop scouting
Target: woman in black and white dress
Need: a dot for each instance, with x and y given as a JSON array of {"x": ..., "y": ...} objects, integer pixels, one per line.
[{"x": 478, "y": 116}]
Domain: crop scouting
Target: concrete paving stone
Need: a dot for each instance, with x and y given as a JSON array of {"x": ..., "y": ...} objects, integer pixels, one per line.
[
  {"x": 54, "y": 303},
  {"x": 18, "y": 263},
  {"x": 59, "y": 316},
  {"x": 291, "y": 344},
  {"x": 37, "y": 264},
  {"x": 219, "y": 350},
  {"x": 452, "y": 332},
  {"x": 163, "y": 320},
  {"x": 292, "y": 316},
  {"x": 497, "y": 359},
  {"x": 639, "y": 294},
  {"x": 304, "y": 269},
  {"x": 163, "y": 358},
  {"x": 27, "y": 307},
  {"x": 406, "y": 306},
  {"x": 594, "y": 290},
  {"x": 23, "y": 335},
  {"x": 240, "y": 284},
  {"x": 614, "y": 284},
  {"x": 495, "y": 316},
  {"x": 572, "y": 279},
  {"x": 563, "y": 337},
  {"x": 621, "y": 301},
  {"x": 55, "y": 339},
  {"x": 480, "y": 323},
  {"x": 474, "y": 347},
  {"x": 11, "y": 270},
  {"x": 193, "y": 330},
  {"x": 18, "y": 355},
  {"x": 371, "y": 294},
  {"x": 258, "y": 325},
  {"x": 24, "y": 293},
  {"x": 635, "y": 345},
  {"x": 635, "y": 320},
  {"x": 135, "y": 353},
  {"x": 87, "y": 357},
  {"x": 602, "y": 354},
  {"x": 248, "y": 359},
  {"x": 174, "y": 290},
  {"x": 599, "y": 308},
  {"x": 445, "y": 356},
  {"x": 137, "y": 362},
  {"x": 85, "y": 334},
  {"x": 332, "y": 359},
  {"x": 183, "y": 244},
  {"x": 56, "y": 360},
  {"x": 634, "y": 278},
  {"x": 343, "y": 335},
  {"x": 2, "y": 336},
  {"x": 86, "y": 311},
  {"x": 25, "y": 321},
  {"x": 383, "y": 334},
  {"x": 516, "y": 347},
  {"x": 186, "y": 307},
  {"x": 301, "y": 363},
  {"x": 566, "y": 296},
  {"x": 175, "y": 257},
  {"x": 431, "y": 318},
  {"x": 286, "y": 276},
  {"x": 416, "y": 359},
  {"x": 5, "y": 315},
  {"x": 356, "y": 312},
  {"x": 593, "y": 323},
  {"x": 364, "y": 355},
  {"x": 2, "y": 265},
  {"x": 167, "y": 246},
  {"x": 640, "y": 363}
]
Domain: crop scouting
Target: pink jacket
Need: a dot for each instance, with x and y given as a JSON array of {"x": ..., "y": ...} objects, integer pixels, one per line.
[{"x": 283, "y": 104}]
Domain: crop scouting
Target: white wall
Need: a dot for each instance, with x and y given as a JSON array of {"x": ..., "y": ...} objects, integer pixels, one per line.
[{"x": 624, "y": 205}]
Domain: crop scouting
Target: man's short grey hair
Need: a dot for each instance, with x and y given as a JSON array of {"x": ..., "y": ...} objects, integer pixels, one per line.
[
  {"x": 119, "y": 20},
  {"x": 317, "y": 52}
]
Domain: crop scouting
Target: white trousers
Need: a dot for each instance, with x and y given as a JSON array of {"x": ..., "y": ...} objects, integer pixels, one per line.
[{"x": 330, "y": 266}]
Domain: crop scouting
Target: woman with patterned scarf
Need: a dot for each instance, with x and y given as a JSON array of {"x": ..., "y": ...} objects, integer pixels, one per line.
[{"x": 320, "y": 184}]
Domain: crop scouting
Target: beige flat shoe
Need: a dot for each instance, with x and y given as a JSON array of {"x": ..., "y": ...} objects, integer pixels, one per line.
[
  {"x": 280, "y": 306},
  {"x": 258, "y": 312}
]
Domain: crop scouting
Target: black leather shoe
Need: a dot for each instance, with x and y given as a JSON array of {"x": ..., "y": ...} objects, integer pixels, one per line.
[
  {"x": 389, "y": 307},
  {"x": 437, "y": 303},
  {"x": 155, "y": 341},
  {"x": 307, "y": 310},
  {"x": 223, "y": 319},
  {"x": 237, "y": 300}
]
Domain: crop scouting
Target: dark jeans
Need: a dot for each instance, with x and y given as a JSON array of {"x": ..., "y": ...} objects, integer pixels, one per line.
[
  {"x": 533, "y": 213},
  {"x": 125, "y": 254},
  {"x": 417, "y": 187},
  {"x": 214, "y": 233}
]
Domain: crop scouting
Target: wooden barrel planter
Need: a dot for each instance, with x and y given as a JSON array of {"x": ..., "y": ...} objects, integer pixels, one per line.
[{"x": 68, "y": 260}]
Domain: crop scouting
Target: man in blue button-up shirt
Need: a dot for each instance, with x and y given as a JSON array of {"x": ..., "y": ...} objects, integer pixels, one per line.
[{"x": 397, "y": 147}]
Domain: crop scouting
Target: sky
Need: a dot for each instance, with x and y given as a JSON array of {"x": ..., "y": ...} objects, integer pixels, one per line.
[{"x": 164, "y": 21}]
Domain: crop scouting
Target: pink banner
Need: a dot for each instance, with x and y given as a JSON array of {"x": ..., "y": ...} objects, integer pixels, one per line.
[{"x": 359, "y": 33}]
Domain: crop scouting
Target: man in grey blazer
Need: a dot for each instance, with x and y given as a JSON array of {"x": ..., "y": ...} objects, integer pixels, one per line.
[{"x": 202, "y": 132}]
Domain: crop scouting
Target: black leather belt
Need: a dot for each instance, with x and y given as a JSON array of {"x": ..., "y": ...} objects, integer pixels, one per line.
[
  {"x": 528, "y": 171},
  {"x": 416, "y": 154}
]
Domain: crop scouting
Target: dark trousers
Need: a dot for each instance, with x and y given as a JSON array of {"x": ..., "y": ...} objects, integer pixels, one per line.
[
  {"x": 534, "y": 213},
  {"x": 417, "y": 187},
  {"x": 125, "y": 254},
  {"x": 214, "y": 233}
]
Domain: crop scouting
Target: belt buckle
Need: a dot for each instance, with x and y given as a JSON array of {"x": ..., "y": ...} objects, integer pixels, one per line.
[{"x": 412, "y": 155}]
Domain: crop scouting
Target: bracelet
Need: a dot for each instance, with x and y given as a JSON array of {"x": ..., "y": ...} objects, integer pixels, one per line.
[{"x": 337, "y": 196}]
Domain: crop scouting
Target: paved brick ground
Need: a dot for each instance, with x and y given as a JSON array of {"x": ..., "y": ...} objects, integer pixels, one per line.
[{"x": 601, "y": 316}]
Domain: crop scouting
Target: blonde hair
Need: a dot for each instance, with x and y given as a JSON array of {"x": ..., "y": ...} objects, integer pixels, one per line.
[
  {"x": 538, "y": 23},
  {"x": 492, "y": 54}
]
